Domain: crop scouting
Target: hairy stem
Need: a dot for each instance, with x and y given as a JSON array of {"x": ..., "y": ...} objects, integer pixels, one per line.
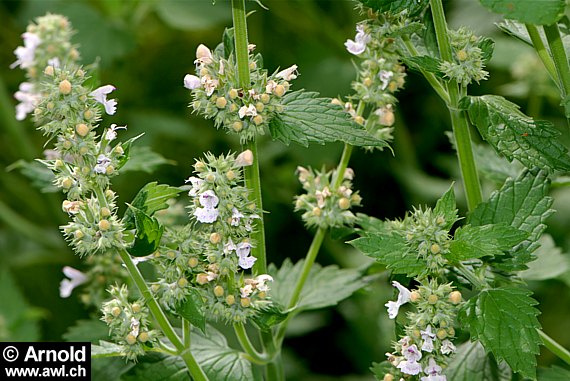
[
  {"x": 541, "y": 50},
  {"x": 251, "y": 173},
  {"x": 559, "y": 58},
  {"x": 561, "y": 352},
  {"x": 458, "y": 118}
]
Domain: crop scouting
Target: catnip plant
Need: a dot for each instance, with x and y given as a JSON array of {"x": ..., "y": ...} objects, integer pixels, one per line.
[{"x": 462, "y": 310}]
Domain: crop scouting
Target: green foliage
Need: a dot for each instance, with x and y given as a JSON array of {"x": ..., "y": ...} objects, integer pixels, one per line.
[
  {"x": 515, "y": 135},
  {"x": 426, "y": 63},
  {"x": 150, "y": 199},
  {"x": 504, "y": 321},
  {"x": 472, "y": 363},
  {"x": 380, "y": 369},
  {"x": 309, "y": 119},
  {"x": 127, "y": 146},
  {"x": 325, "y": 286},
  {"x": 87, "y": 330},
  {"x": 144, "y": 159},
  {"x": 158, "y": 367},
  {"x": 148, "y": 234},
  {"x": 541, "y": 12},
  {"x": 446, "y": 207},
  {"x": 269, "y": 316},
  {"x": 550, "y": 261},
  {"x": 413, "y": 7},
  {"x": 105, "y": 349},
  {"x": 193, "y": 15},
  {"x": 554, "y": 373},
  {"x": 523, "y": 204},
  {"x": 193, "y": 309}
]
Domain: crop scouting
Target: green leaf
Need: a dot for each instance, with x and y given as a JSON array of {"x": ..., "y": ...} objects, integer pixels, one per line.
[
  {"x": 494, "y": 167},
  {"x": 157, "y": 366},
  {"x": 550, "y": 262},
  {"x": 391, "y": 251},
  {"x": 127, "y": 151},
  {"x": 269, "y": 316},
  {"x": 193, "y": 309},
  {"x": 150, "y": 199},
  {"x": 193, "y": 15},
  {"x": 516, "y": 30},
  {"x": 540, "y": 12},
  {"x": 309, "y": 119},
  {"x": 487, "y": 46},
  {"x": 554, "y": 373},
  {"x": 219, "y": 361},
  {"x": 425, "y": 63},
  {"x": 487, "y": 240},
  {"x": 106, "y": 349},
  {"x": 447, "y": 208},
  {"x": 40, "y": 176},
  {"x": 515, "y": 135},
  {"x": 380, "y": 369},
  {"x": 144, "y": 159},
  {"x": 523, "y": 204},
  {"x": 325, "y": 286},
  {"x": 413, "y": 7},
  {"x": 504, "y": 321},
  {"x": 471, "y": 363},
  {"x": 369, "y": 223},
  {"x": 92, "y": 330},
  {"x": 148, "y": 234}
]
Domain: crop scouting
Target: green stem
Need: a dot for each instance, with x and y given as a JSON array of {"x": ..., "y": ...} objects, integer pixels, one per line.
[
  {"x": 470, "y": 276},
  {"x": 458, "y": 118},
  {"x": 161, "y": 319},
  {"x": 251, "y": 173},
  {"x": 561, "y": 352},
  {"x": 243, "y": 338},
  {"x": 186, "y": 333},
  {"x": 274, "y": 369},
  {"x": 541, "y": 50},
  {"x": 559, "y": 57},
  {"x": 430, "y": 77}
]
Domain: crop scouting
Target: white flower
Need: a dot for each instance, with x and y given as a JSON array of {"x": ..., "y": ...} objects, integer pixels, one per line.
[
  {"x": 192, "y": 82},
  {"x": 76, "y": 278},
  {"x": 100, "y": 95},
  {"x": 427, "y": 337},
  {"x": 137, "y": 260},
  {"x": 250, "y": 47},
  {"x": 102, "y": 163},
  {"x": 246, "y": 291},
  {"x": 236, "y": 217},
  {"x": 432, "y": 369},
  {"x": 203, "y": 55},
  {"x": 254, "y": 95},
  {"x": 405, "y": 342},
  {"x": 206, "y": 215},
  {"x": 447, "y": 347},
  {"x": 243, "y": 250},
  {"x": 111, "y": 133},
  {"x": 354, "y": 47},
  {"x": 434, "y": 378},
  {"x": 249, "y": 221},
  {"x": 209, "y": 84},
  {"x": 247, "y": 111},
  {"x": 222, "y": 68},
  {"x": 412, "y": 353},
  {"x": 246, "y": 262},
  {"x": 135, "y": 325},
  {"x": 210, "y": 276},
  {"x": 288, "y": 74},
  {"x": 261, "y": 280},
  {"x": 244, "y": 159},
  {"x": 385, "y": 77},
  {"x": 270, "y": 87},
  {"x": 229, "y": 246},
  {"x": 403, "y": 298},
  {"x": 71, "y": 207},
  {"x": 196, "y": 185},
  {"x": 410, "y": 367},
  {"x": 55, "y": 62},
  {"x": 27, "y": 53},
  {"x": 208, "y": 199},
  {"x": 361, "y": 35},
  {"x": 28, "y": 100}
]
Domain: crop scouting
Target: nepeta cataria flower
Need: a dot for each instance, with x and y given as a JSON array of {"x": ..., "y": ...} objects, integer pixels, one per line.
[
  {"x": 192, "y": 82},
  {"x": 260, "y": 282},
  {"x": 100, "y": 95},
  {"x": 447, "y": 347},
  {"x": 403, "y": 298},
  {"x": 111, "y": 133},
  {"x": 102, "y": 163},
  {"x": 243, "y": 250},
  {"x": 385, "y": 77},
  {"x": 428, "y": 336},
  {"x": 26, "y": 54},
  {"x": 410, "y": 367},
  {"x": 28, "y": 100},
  {"x": 236, "y": 217},
  {"x": 288, "y": 74},
  {"x": 246, "y": 291},
  {"x": 358, "y": 46},
  {"x": 244, "y": 159},
  {"x": 203, "y": 55},
  {"x": 196, "y": 185},
  {"x": 208, "y": 213},
  {"x": 270, "y": 87},
  {"x": 76, "y": 278},
  {"x": 247, "y": 111},
  {"x": 209, "y": 84}
]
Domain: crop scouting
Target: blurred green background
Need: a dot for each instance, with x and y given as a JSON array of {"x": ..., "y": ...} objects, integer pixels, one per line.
[{"x": 145, "y": 48}]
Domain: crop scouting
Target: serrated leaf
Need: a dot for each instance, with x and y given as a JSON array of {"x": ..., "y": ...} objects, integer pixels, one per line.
[
  {"x": 325, "y": 286},
  {"x": 391, "y": 251},
  {"x": 447, "y": 208},
  {"x": 504, "y": 321},
  {"x": 486, "y": 240},
  {"x": 40, "y": 176},
  {"x": 523, "y": 204},
  {"x": 472, "y": 363},
  {"x": 144, "y": 159},
  {"x": 549, "y": 263},
  {"x": 150, "y": 199},
  {"x": 269, "y": 316},
  {"x": 147, "y": 235},
  {"x": 540, "y": 12},
  {"x": 515, "y": 29},
  {"x": 192, "y": 309},
  {"x": 515, "y": 135},
  {"x": 424, "y": 63},
  {"x": 126, "y": 151},
  {"x": 219, "y": 361},
  {"x": 306, "y": 118},
  {"x": 487, "y": 46},
  {"x": 157, "y": 366},
  {"x": 369, "y": 223},
  {"x": 554, "y": 373},
  {"x": 494, "y": 167},
  {"x": 106, "y": 349},
  {"x": 413, "y": 7}
]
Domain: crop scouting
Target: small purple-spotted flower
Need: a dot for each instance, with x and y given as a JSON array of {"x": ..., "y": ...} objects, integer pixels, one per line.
[
  {"x": 427, "y": 336},
  {"x": 111, "y": 133},
  {"x": 433, "y": 372},
  {"x": 243, "y": 250},
  {"x": 100, "y": 95},
  {"x": 28, "y": 100},
  {"x": 410, "y": 367},
  {"x": 102, "y": 163},
  {"x": 247, "y": 111},
  {"x": 412, "y": 353},
  {"x": 403, "y": 298},
  {"x": 208, "y": 214},
  {"x": 196, "y": 185},
  {"x": 76, "y": 278},
  {"x": 236, "y": 217},
  {"x": 385, "y": 77}
]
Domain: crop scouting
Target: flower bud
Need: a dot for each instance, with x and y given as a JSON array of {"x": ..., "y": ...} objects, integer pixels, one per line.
[
  {"x": 461, "y": 55},
  {"x": 317, "y": 211},
  {"x": 415, "y": 296},
  {"x": 65, "y": 87},
  {"x": 136, "y": 308},
  {"x": 230, "y": 299},
  {"x": 358, "y": 119},
  {"x": 182, "y": 282},
  {"x": 451, "y": 331},
  {"x": 259, "y": 106},
  {"x": 367, "y": 82},
  {"x": 105, "y": 212},
  {"x": 131, "y": 339},
  {"x": 171, "y": 254},
  {"x": 230, "y": 175},
  {"x": 155, "y": 287},
  {"x": 432, "y": 299},
  {"x": 441, "y": 333},
  {"x": 104, "y": 225},
  {"x": 88, "y": 114},
  {"x": 435, "y": 248},
  {"x": 262, "y": 295},
  {"x": 67, "y": 183},
  {"x": 388, "y": 377},
  {"x": 279, "y": 90},
  {"x": 210, "y": 178},
  {"x": 344, "y": 203},
  {"x": 265, "y": 98},
  {"x": 221, "y": 102},
  {"x": 82, "y": 129},
  {"x": 49, "y": 70},
  {"x": 193, "y": 262},
  {"x": 258, "y": 119},
  {"x": 200, "y": 166},
  {"x": 455, "y": 297},
  {"x": 109, "y": 170},
  {"x": 215, "y": 238},
  {"x": 219, "y": 291},
  {"x": 252, "y": 65},
  {"x": 245, "y": 302},
  {"x": 78, "y": 234},
  {"x": 233, "y": 94},
  {"x": 143, "y": 337},
  {"x": 202, "y": 278},
  {"x": 244, "y": 159}
]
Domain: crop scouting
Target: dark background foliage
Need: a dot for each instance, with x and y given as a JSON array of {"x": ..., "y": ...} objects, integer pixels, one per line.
[{"x": 145, "y": 48}]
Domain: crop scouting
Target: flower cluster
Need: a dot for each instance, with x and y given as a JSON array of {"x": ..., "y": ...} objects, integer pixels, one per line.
[
  {"x": 468, "y": 57},
  {"x": 129, "y": 323},
  {"x": 210, "y": 255},
  {"x": 324, "y": 205},
  {"x": 427, "y": 345},
  {"x": 217, "y": 95},
  {"x": 46, "y": 42}
]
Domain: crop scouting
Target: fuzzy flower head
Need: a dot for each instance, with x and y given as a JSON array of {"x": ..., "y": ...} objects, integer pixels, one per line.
[{"x": 100, "y": 95}]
